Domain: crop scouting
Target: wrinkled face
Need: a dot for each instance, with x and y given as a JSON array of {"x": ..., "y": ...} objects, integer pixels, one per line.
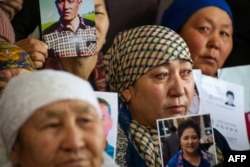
[
  {"x": 106, "y": 118},
  {"x": 208, "y": 34},
  {"x": 62, "y": 134},
  {"x": 162, "y": 92},
  {"x": 68, "y": 9},
  {"x": 102, "y": 23},
  {"x": 189, "y": 141},
  {"x": 7, "y": 74}
]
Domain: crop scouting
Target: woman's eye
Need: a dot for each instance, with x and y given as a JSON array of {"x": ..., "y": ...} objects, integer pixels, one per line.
[
  {"x": 194, "y": 137},
  {"x": 98, "y": 13},
  {"x": 203, "y": 29},
  {"x": 162, "y": 75},
  {"x": 85, "y": 120},
  {"x": 53, "y": 125},
  {"x": 224, "y": 33},
  {"x": 187, "y": 72}
]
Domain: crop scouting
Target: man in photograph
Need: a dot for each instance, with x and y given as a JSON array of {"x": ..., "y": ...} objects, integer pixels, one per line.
[
  {"x": 71, "y": 35},
  {"x": 107, "y": 123},
  {"x": 230, "y": 98}
]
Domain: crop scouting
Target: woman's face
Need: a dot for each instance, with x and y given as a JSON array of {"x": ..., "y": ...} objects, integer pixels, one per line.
[
  {"x": 189, "y": 141},
  {"x": 208, "y": 33},
  {"x": 63, "y": 133},
  {"x": 164, "y": 91},
  {"x": 102, "y": 23}
]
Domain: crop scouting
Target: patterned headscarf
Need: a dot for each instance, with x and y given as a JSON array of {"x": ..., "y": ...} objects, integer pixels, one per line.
[
  {"x": 137, "y": 50},
  {"x": 12, "y": 56}
]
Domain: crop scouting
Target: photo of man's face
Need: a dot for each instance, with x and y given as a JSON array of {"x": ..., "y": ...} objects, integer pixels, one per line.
[
  {"x": 106, "y": 117},
  {"x": 68, "y": 9},
  {"x": 68, "y": 28},
  {"x": 229, "y": 98}
]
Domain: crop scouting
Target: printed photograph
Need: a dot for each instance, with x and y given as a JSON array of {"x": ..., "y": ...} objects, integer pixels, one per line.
[
  {"x": 68, "y": 27},
  {"x": 109, "y": 107},
  {"x": 187, "y": 141}
]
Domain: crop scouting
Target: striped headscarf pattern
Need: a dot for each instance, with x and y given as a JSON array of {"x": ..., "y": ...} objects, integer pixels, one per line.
[{"x": 135, "y": 51}]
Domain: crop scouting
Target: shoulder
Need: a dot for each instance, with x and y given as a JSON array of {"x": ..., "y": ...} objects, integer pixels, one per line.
[
  {"x": 51, "y": 28},
  {"x": 205, "y": 163},
  {"x": 208, "y": 159},
  {"x": 174, "y": 159}
]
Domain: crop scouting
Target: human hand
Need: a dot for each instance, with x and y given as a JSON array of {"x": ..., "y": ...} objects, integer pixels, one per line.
[
  {"x": 11, "y": 7},
  {"x": 38, "y": 50}
]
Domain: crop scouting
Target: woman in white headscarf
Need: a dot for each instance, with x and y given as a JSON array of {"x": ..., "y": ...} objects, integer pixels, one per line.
[{"x": 52, "y": 118}]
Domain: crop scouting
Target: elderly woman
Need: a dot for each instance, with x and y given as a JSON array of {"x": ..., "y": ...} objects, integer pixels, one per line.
[
  {"x": 151, "y": 69},
  {"x": 55, "y": 121},
  {"x": 207, "y": 28}
]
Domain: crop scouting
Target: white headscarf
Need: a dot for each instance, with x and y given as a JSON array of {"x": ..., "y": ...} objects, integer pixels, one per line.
[{"x": 28, "y": 92}]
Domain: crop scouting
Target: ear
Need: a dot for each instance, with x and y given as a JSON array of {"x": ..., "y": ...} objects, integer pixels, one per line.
[{"x": 126, "y": 93}]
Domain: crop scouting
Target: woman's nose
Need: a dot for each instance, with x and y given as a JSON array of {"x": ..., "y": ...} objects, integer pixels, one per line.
[
  {"x": 73, "y": 138},
  {"x": 214, "y": 40},
  {"x": 176, "y": 87}
]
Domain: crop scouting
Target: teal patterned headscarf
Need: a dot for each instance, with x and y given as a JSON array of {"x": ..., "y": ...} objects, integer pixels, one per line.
[{"x": 135, "y": 51}]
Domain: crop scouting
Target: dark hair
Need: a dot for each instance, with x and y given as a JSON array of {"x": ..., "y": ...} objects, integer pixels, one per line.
[
  {"x": 230, "y": 93},
  {"x": 172, "y": 129},
  {"x": 189, "y": 123},
  {"x": 101, "y": 100},
  {"x": 107, "y": 7}
]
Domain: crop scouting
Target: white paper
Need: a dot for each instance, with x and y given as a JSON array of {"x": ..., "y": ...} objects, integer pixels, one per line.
[
  {"x": 238, "y": 75},
  {"x": 228, "y": 120},
  {"x": 196, "y": 105}
]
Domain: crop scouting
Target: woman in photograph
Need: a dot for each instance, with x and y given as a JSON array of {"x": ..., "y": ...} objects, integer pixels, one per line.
[{"x": 190, "y": 154}]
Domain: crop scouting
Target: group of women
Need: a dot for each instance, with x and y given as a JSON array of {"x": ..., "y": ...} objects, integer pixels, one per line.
[{"x": 150, "y": 66}]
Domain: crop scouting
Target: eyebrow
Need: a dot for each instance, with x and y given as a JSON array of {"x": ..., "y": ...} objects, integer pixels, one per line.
[
  {"x": 56, "y": 113},
  {"x": 98, "y": 5},
  {"x": 224, "y": 25},
  {"x": 182, "y": 61}
]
